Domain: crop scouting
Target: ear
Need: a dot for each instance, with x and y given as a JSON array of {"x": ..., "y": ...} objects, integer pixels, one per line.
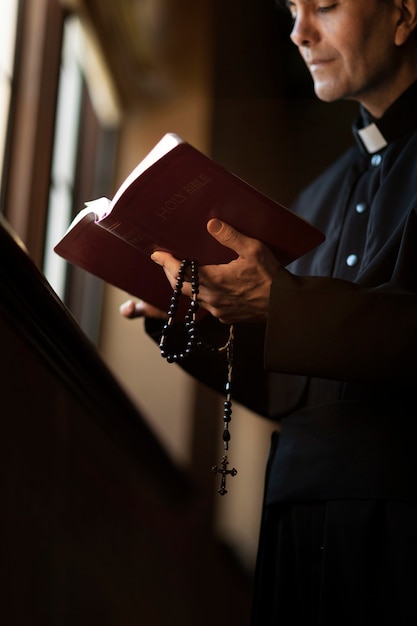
[{"x": 407, "y": 23}]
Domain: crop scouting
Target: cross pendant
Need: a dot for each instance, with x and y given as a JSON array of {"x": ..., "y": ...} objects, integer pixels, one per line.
[{"x": 224, "y": 472}]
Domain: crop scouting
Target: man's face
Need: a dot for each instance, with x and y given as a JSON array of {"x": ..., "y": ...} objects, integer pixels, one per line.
[{"x": 348, "y": 46}]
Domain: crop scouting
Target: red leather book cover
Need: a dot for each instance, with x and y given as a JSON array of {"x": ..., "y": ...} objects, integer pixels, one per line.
[{"x": 166, "y": 206}]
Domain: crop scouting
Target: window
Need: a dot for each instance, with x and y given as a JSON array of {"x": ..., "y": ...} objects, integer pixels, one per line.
[
  {"x": 66, "y": 138},
  {"x": 8, "y": 27},
  {"x": 58, "y": 133},
  {"x": 82, "y": 168}
]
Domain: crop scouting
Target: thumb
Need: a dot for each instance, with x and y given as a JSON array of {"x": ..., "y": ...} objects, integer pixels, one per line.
[{"x": 228, "y": 236}]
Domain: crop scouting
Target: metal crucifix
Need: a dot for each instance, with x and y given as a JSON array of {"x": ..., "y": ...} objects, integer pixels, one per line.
[{"x": 224, "y": 472}]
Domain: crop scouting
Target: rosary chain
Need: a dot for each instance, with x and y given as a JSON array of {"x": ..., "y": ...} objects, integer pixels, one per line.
[{"x": 193, "y": 343}]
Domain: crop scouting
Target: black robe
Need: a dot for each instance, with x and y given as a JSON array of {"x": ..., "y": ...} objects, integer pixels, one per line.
[{"x": 336, "y": 364}]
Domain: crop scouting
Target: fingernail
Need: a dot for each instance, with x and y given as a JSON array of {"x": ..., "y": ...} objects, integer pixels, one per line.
[
  {"x": 155, "y": 257},
  {"x": 215, "y": 226},
  {"x": 126, "y": 307}
]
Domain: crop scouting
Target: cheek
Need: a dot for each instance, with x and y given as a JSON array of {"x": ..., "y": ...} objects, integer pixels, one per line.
[
  {"x": 356, "y": 59},
  {"x": 350, "y": 40},
  {"x": 363, "y": 47}
]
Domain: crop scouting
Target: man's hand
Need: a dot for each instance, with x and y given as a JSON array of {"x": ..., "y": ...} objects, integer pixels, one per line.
[
  {"x": 132, "y": 309},
  {"x": 234, "y": 292}
]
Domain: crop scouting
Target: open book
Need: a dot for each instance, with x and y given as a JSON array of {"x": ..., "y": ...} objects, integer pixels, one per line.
[{"x": 165, "y": 204}]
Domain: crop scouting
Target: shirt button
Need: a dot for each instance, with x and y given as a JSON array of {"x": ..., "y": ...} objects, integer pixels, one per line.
[
  {"x": 361, "y": 207},
  {"x": 352, "y": 260},
  {"x": 376, "y": 160}
]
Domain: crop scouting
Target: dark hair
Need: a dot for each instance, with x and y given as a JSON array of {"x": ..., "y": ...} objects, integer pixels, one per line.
[{"x": 281, "y": 4}]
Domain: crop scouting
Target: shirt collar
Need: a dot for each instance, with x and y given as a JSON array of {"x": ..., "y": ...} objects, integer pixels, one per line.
[{"x": 373, "y": 135}]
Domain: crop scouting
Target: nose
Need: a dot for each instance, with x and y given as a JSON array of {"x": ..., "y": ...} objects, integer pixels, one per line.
[{"x": 304, "y": 32}]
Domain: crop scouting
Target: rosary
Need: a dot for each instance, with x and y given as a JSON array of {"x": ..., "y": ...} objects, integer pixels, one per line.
[{"x": 194, "y": 343}]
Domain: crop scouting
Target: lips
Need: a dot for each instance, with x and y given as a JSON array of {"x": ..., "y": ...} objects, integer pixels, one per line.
[{"x": 316, "y": 63}]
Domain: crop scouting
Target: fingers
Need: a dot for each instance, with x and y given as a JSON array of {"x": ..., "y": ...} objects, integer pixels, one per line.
[
  {"x": 131, "y": 310},
  {"x": 230, "y": 237},
  {"x": 169, "y": 264},
  {"x": 171, "y": 267},
  {"x": 222, "y": 232}
]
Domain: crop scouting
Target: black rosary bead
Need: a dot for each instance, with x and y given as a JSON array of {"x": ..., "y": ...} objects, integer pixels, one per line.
[
  {"x": 190, "y": 316},
  {"x": 193, "y": 343},
  {"x": 226, "y": 435}
]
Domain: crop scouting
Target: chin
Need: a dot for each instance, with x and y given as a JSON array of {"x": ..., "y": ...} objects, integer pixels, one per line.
[{"x": 328, "y": 93}]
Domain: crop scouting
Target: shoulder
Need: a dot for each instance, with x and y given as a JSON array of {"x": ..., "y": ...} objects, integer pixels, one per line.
[{"x": 327, "y": 186}]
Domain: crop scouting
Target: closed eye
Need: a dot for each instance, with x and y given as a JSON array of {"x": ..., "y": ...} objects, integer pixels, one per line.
[{"x": 327, "y": 8}]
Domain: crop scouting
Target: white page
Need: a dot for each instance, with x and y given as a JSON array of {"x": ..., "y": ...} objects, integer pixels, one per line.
[{"x": 165, "y": 145}]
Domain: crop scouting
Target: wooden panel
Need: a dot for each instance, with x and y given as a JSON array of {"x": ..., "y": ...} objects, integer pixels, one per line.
[{"x": 100, "y": 525}]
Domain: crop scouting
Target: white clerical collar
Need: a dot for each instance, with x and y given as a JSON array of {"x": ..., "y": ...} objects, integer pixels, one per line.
[{"x": 372, "y": 138}]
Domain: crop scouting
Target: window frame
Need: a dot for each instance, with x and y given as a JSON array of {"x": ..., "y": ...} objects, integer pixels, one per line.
[{"x": 32, "y": 121}]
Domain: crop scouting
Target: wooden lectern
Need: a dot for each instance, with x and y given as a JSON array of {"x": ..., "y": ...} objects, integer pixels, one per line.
[{"x": 99, "y": 525}]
